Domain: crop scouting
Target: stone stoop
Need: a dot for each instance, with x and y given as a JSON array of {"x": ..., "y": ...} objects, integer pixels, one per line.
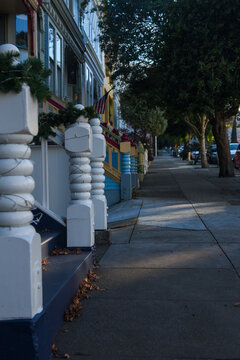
[{"x": 31, "y": 339}]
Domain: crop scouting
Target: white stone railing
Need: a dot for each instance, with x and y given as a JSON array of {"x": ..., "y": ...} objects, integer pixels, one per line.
[
  {"x": 80, "y": 213},
  {"x": 20, "y": 256},
  {"x": 97, "y": 159}
]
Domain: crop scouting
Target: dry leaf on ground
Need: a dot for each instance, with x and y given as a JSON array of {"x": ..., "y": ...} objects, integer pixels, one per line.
[
  {"x": 57, "y": 355},
  {"x": 66, "y": 251},
  {"x": 86, "y": 286},
  {"x": 44, "y": 264}
]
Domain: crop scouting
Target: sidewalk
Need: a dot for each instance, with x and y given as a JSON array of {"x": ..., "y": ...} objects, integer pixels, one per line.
[{"x": 172, "y": 274}]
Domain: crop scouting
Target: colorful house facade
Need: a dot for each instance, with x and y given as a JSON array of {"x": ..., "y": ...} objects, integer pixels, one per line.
[{"x": 64, "y": 35}]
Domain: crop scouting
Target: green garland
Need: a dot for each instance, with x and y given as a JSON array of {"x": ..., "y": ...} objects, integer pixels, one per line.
[
  {"x": 30, "y": 72},
  {"x": 65, "y": 117}
]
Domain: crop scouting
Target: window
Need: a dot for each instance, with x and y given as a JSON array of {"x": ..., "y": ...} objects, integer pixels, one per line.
[
  {"x": 2, "y": 29},
  {"x": 22, "y": 35},
  {"x": 59, "y": 64},
  {"x": 76, "y": 11},
  {"x": 73, "y": 76},
  {"x": 55, "y": 60},
  {"x": 22, "y": 31},
  {"x": 89, "y": 86},
  {"x": 51, "y": 57}
]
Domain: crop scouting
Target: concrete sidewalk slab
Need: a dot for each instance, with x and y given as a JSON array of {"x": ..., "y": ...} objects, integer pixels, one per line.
[
  {"x": 155, "y": 234},
  {"x": 125, "y": 210},
  {"x": 172, "y": 255},
  {"x": 141, "y": 329},
  {"x": 169, "y": 284},
  {"x": 122, "y": 235},
  {"x": 178, "y": 215}
]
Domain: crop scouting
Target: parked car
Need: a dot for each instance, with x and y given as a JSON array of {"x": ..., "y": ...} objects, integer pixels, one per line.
[
  {"x": 180, "y": 149},
  {"x": 233, "y": 149},
  {"x": 212, "y": 155},
  {"x": 236, "y": 158},
  {"x": 195, "y": 154}
]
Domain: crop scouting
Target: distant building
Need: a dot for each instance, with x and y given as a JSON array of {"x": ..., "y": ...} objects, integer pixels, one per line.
[{"x": 65, "y": 36}]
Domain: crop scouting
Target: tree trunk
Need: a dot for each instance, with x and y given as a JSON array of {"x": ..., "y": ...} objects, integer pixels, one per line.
[
  {"x": 189, "y": 144},
  {"x": 204, "y": 162},
  {"x": 223, "y": 150},
  {"x": 200, "y": 131},
  {"x": 156, "y": 146}
]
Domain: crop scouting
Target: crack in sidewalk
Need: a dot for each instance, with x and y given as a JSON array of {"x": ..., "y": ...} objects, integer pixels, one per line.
[{"x": 206, "y": 226}]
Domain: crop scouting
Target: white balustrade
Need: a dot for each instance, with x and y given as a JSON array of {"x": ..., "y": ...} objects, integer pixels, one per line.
[
  {"x": 97, "y": 158},
  {"x": 20, "y": 256},
  {"x": 80, "y": 213}
]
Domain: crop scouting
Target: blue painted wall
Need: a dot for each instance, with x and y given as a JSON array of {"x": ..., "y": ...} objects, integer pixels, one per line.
[
  {"x": 112, "y": 191},
  {"x": 115, "y": 160}
]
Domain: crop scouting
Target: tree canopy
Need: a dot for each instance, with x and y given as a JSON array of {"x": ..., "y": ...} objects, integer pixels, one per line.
[
  {"x": 137, "y": 113},
  {"x": 188, "y": 52}
]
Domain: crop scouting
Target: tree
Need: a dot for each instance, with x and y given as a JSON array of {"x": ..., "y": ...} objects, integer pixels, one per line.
[
  {"x": 199, "y": 125},
  {"x": 234, "y": 131},
  {"x": 190, "y": 50},
  {"x": 123, "y": 24},
  {"x": 139, "y": 114},
  {"x": 157, "y": 122},
  {"x": 204, "y": 70}
]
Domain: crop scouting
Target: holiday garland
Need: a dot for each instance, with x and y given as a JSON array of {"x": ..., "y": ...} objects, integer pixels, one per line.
[
  {"x": 66, "y": 117},
  {"x": 30, "y": 72}
]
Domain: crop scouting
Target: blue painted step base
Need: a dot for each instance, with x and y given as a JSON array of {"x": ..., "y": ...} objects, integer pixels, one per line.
[
  {"x": 52, "y": 240},
  {"x": 32, "y": 339}
]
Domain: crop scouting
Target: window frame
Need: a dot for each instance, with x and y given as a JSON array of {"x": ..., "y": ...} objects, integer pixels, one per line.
[{"x": 57, "y": 66}]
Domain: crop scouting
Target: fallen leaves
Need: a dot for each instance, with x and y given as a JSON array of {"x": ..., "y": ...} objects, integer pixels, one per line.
[
  {"x": 87, "y": 285},
  {"x": 66, "y": 251},
  {"x": 44, "y": 264},
  {"x": 56, "y": 354},
  {"x": 46, "y": 230}
]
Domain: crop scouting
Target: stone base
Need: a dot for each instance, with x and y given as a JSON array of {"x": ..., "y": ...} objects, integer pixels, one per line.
[
  {"x": 126, "y": 187},
  {"x": 31, "y": 339},
  {"x": 21, "y": 276},
  {"x": 103, "y": 237},
  {"x": 134, "y": 181},
  {"x": 100, "y": 212},
  {"x": 80, "y": 225},
  {"x": 141, "y": 177}
]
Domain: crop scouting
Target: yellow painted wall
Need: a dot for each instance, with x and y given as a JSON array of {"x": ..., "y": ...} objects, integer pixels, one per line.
[{"x": 109, "y": 109}]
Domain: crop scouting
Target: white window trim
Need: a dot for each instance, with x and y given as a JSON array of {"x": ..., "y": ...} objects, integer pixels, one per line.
[{"x": 58, "y": 92}]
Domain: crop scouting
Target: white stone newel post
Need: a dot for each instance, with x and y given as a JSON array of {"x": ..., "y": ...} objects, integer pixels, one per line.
[
  {"x": 20, "y": 256},
  {"x": 97, "y": 158},
  {"x": 80, "y": 213},
  {"x": 145, "y": 161}
]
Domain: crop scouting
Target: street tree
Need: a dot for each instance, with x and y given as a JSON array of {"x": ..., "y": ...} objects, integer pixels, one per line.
[
  {"x": 190, "y": 49},
  {"x": 140, "y": 114},
  {"x": 234, "y": 131},
  {"x": 200, "y": 65}
]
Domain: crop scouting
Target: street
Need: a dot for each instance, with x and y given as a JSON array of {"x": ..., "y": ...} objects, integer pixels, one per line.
[{"x": 171, "y": 278}]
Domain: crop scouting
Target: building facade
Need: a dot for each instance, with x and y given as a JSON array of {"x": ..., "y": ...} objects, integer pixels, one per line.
[{"x": 64, "y": 34}]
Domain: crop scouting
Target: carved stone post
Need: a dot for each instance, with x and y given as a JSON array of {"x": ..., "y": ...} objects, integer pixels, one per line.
[
  {"x": 126, "y": 183},
  {"x": 145, "y": 161},
  {"x": 134, "y": 166},
  {"x": 80, "y": 213},
  {"x": 140, "y": 161},
  {"x": 20, "y": 256},
  {"x": 97, "y": 158}
]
